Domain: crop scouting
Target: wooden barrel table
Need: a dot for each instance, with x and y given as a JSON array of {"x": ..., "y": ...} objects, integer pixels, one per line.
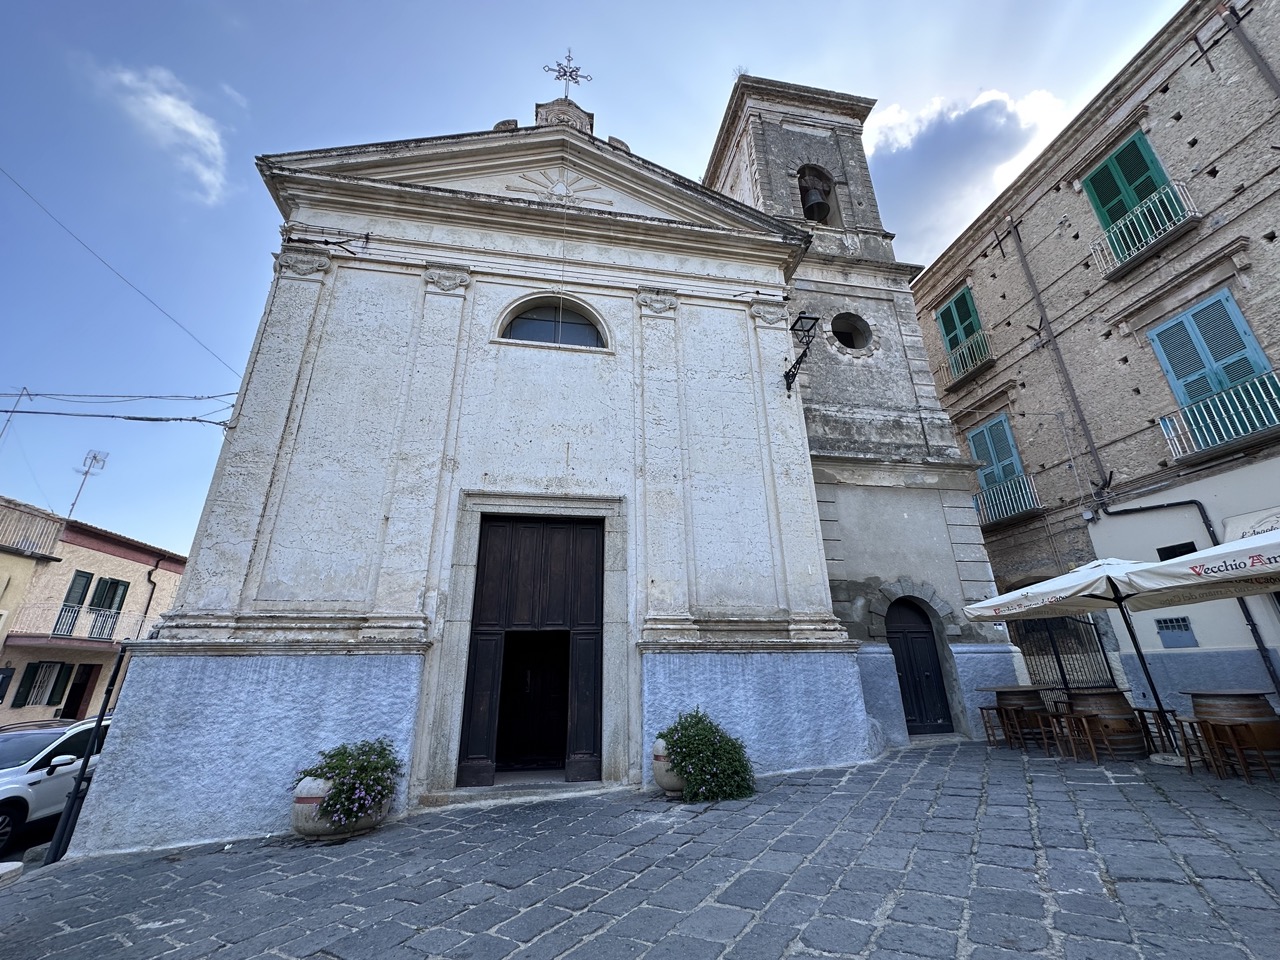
[
  {"x": 1115, "y": 716},
  {"x": 1241, "y": 706}
]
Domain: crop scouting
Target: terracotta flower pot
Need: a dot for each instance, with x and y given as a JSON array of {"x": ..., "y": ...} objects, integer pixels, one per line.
[
  {"x": 663, "y": 775},
  {"x": 310, "y": 823}
]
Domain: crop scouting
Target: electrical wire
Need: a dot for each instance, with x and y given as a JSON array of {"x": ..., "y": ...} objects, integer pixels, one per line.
[
  {"x": 115, "y": 397},
  {"x": 119, "y": 416},
  {"x": 126, "y": 280}
]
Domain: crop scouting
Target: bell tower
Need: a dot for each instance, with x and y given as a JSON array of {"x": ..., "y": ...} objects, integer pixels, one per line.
[{"x": 796, "y": 153}]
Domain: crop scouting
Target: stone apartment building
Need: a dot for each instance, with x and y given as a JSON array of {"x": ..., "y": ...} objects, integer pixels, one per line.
[
  {"x": 69, "y": 594},
  {"x": 535, "y": 451},
  {"x": 1105, "y": 337}
]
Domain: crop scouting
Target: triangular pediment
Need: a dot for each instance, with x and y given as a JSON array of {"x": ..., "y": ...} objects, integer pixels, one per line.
[{"x": 553, "y": 165}]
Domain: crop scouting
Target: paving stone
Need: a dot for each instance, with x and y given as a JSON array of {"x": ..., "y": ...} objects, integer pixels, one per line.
[
  {"x": 1010, "y": 933},
  {"x": 721, "y": 924},
  {"x": 1009, "y": 902},
  {"x": 836, "y": 936},
  {"x": 918, "y": 941},
  {"x": 684, "y": 948},
  {"x": 752, "y": 889},
  {"x": 928, "y": 910}
]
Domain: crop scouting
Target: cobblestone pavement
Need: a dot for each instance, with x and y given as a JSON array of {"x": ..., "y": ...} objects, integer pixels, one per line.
[{"x": 954, "y": 851}]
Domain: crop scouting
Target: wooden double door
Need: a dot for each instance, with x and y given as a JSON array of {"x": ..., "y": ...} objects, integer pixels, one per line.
[
  {"x": 915, "y": 653},
  {"x": 533, "y": 699}
]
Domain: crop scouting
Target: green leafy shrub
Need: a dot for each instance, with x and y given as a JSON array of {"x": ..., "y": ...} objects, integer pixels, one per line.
[
  {"x": 713, "y": 764},
  {"x": 363, "y": 775}
]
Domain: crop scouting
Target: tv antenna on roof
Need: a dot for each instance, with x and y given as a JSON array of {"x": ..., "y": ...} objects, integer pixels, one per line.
[{"x": 94, "y": 462}]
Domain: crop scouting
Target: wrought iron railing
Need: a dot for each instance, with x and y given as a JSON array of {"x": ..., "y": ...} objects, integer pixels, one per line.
[
  {"x": 82, "y": 622},
  {"x": 1007, "y": 499},
  {"x": 967, "y": 356},
  {"x": 1143, "y": 226},
  {"x": 1246, "y": 408}
]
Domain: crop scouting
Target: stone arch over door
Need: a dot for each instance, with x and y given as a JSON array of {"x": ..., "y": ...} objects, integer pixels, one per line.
[{"x": 945, "y": 624}]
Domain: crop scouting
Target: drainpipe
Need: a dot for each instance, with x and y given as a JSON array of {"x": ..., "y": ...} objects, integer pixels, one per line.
[
  {"x": 1213, "y": 537},
  {"x": 1231, "y": 17},
  {"x": 1047, "y": 327}
]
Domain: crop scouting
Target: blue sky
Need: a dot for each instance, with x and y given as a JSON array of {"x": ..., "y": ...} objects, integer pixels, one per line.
[{"x": 135, "y": 125}]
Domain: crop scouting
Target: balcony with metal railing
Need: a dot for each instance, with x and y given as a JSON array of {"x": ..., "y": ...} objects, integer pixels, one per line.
[
  {"x": 68, "y": 624},
  {"x": 1004, "y": 501},
  {"x": 1247, "y": 408},
  {"x": 1166, "y": 214},
  {"x": 966, "y": 361}
]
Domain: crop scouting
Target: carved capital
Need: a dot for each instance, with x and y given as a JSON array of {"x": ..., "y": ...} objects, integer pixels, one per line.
[
  {"x": 447, "y": 279},
  {"x": 653, "y": 300},
  {"x": 770, "y": 311},
  {"x": 301, "y": 262}
]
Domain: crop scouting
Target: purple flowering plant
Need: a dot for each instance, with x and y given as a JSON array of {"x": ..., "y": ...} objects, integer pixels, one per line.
[
  {"x": 363, "y": 777},
  {"x": 714, "y": 764}
]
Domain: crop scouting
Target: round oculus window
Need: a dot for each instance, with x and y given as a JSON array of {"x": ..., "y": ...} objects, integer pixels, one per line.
[{"x": 851, "y": 330}]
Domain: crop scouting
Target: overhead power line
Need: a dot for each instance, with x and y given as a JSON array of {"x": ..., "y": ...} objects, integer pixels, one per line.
[
  {"x": 116, "y": 397},
  {"x": 118, "y": 416},
  {"x": 126, "y": 280}
]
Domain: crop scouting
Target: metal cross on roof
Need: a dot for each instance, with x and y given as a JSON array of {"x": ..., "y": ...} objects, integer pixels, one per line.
[{"x": 567, "y": 72}]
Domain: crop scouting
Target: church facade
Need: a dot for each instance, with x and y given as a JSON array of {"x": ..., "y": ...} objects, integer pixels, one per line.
[{"x": 532, "y": 455}]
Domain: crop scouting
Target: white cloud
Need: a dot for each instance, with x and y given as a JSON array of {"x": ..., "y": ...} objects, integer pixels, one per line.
[
  {"x": 935, "y": 169},
  {"x": 235, "y": 96},
  {"x": 160, "y": 104}
]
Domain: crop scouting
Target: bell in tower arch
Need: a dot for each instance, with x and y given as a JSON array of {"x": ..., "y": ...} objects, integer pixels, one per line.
[{"x": 815, "y": 187}]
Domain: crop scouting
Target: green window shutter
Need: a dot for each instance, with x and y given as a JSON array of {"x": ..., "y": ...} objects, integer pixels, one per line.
[
  {"x": 993, "y": 444},
  {"x": 1106, "y": 195},
  {"x": 1208, "y": 349},
  {"x": 101, "y": 591},
  {"x": 1137, "y": 164},
  {"x": 59, "y": 685},
  {"x": 79, "y": 588},
  {"x": 959, "y": 319},
  {"x": 1124, "y": 180},
  {"x": 24, "y": 685}
]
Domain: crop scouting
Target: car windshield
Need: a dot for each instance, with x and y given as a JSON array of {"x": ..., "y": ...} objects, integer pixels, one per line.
[{"x": 20, "y": 746}]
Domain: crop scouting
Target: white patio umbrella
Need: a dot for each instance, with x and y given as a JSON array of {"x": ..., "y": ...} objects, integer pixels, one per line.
[
  {"x": 1098, "y": 586},
  {"x": 1235, "y": 569},
  {"x": 1239, "y": 568}
]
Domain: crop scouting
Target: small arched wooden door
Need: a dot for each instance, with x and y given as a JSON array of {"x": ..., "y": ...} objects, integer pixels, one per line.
[{"x": 915, "y": 653}]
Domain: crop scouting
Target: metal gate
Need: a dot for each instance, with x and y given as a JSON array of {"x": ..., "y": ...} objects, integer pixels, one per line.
[{"x": 1063, "y": 652}]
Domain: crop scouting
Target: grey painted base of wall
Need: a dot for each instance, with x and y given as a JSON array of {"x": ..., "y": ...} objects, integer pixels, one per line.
[
  {"x": 206, "y": 748},
  {"x": 881, "y": 692},
  {"x": 983, "y": 665},
  {"x": 1239, "y": 669},
  {"x": 793, "y": 710},
  {"x": 971, "y": 665}
]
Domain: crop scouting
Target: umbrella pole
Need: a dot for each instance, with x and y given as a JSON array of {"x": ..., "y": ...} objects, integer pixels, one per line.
[{"x": 1142, "y": 660}]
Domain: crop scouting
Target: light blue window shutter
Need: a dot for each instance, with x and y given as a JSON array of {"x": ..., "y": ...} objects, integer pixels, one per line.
[
  {"x": 1208, "y": 349},
  {"x": 1184, "y": 365},
  {"x": 1230, "y": 343},
  {"x": 992, "y": 444}
]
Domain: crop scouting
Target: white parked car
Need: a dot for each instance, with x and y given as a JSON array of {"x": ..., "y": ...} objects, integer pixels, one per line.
[{"x": 38, "y": 766}]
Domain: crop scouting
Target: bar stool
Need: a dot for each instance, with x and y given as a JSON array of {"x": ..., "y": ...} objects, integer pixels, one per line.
[
  {"x": 1046, "y": 730},
  {"x": 1014, "y": 729},
  {"x": 1154, "y": 730},
  {"x": 1235, "y": 741},
  {"x": 1075, "y": 728},
  {"x": 992, "y": 727},
  {"x": 1197, "y": 746}
]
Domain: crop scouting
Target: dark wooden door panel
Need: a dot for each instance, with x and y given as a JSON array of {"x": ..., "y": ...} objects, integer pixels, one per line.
[
  {"x": 585, "y": 682},
  {"x": 915, "y": 654},
  {"x": 559, "y": 582},
  {"x": 491, "y": 574},
  {"x": 477, "y": 753},
  {"x": 537, "y": 578},
  {"x": 527, "y": 575},
  {"x": 588, "y": 573}
]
